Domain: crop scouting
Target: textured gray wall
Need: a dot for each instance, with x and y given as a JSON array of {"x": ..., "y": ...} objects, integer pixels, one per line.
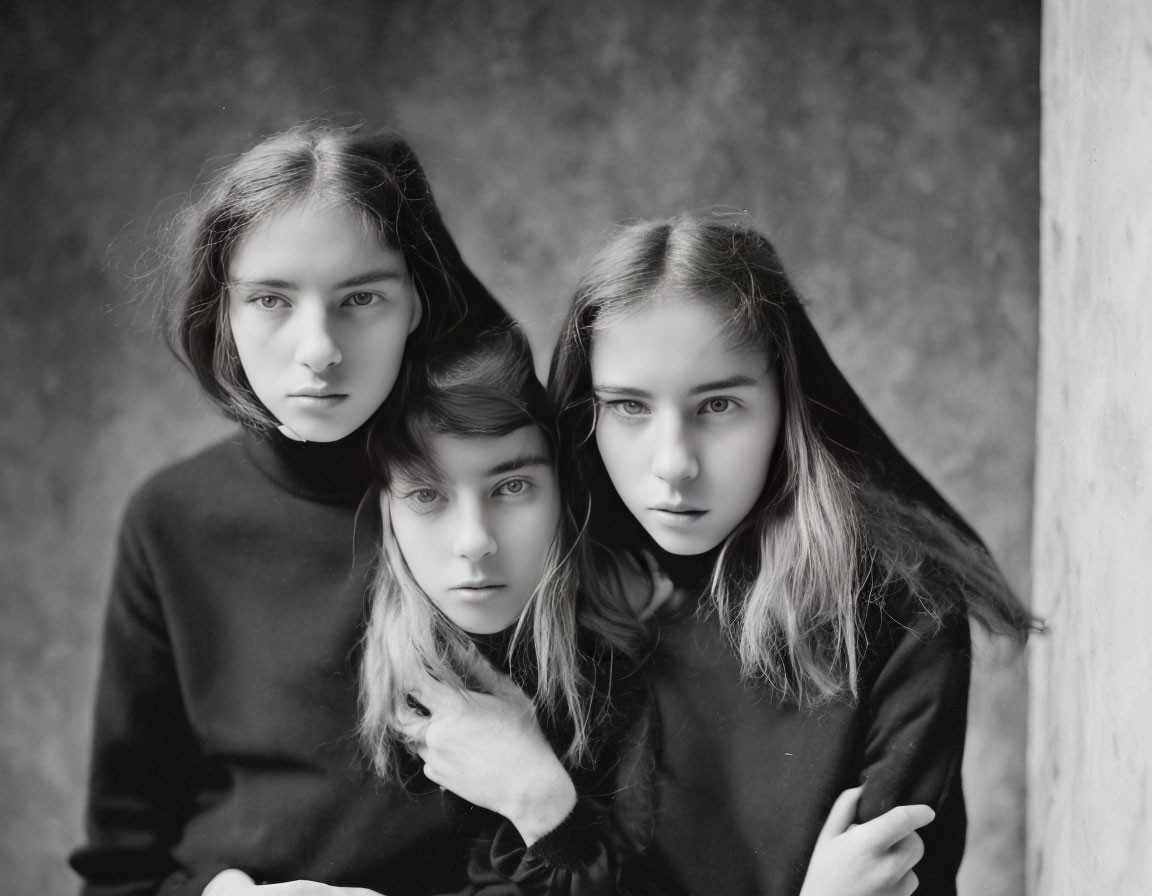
[
  {"x": 890, "y": 148},
  {"x": 1089, "y": 761}
]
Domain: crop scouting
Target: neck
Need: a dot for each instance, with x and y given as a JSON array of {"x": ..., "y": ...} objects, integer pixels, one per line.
[
  {"x": 689, "y": 572},
  {"x": 326, "y": 472}
]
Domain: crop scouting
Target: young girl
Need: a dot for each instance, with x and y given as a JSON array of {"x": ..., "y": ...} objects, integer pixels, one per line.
[
  {"x": 316, "y": 274},
  {"x": 821, "y": 641},
  {"x": 478, "y": 575}
]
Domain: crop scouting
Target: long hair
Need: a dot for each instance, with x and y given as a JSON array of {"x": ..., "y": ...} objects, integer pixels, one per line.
[
  {"x": 843, "y": 517},
  {"x": 375, "y": 174},
  {"x": 487, "y": 390}
]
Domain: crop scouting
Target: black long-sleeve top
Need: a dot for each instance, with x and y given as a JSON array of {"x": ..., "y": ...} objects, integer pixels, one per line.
[
  {"x": 584, "y": 855},
  {"x": 745, "y": 780},
  {"x": 226, "y": 712}
]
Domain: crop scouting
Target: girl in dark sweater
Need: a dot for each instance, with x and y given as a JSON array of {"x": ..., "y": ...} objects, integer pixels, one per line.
[
  {"x": 315, "y": 274},
  {"x": 486, "y": 658},
  {"x": 477, "y": 618},
  {"x": 820, "y": 636}
]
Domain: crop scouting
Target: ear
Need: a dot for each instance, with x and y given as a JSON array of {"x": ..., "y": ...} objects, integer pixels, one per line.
[{"x": 417, "y": 308}]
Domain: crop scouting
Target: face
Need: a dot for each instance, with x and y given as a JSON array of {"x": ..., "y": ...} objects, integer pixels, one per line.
[
  {"x": 685, "y": 422},
  {"x": 476, "y": 539},
  {"x": 320, "y": 311}
]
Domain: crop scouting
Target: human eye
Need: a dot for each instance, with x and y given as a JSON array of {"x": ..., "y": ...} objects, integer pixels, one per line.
[
  {"x": 625, "y": 408},
  {"x": 363, "y": 299},
  {"x": 719, "y": 406},
  {"x": 513, "y": 488},
  {"x": 267, "y": 302},
  {"x": 422, "y": 499}
]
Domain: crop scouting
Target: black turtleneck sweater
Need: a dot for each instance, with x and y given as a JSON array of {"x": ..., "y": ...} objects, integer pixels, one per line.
[
  {"x": 226, "y": 712},
  {"x": 611, "y": 820},
  {"x": 745, "y": 780}
]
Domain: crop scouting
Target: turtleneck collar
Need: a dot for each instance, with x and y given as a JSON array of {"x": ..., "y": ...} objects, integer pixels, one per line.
[
  {"x": 333, "y": 473},
  {"x": 689, "y": 572},
  {"x": 494, "y": 647}
]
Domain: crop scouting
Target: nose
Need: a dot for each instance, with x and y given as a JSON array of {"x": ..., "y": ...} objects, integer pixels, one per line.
[
  {"x": 674, "y": 459},
  {"x": 316, "y": 348},
  {"x": 473, "y": 537}
]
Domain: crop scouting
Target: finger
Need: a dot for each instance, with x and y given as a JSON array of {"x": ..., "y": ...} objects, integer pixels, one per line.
[
  {"x": 908, "y": 884},
  {"x": 229, "y": 882},
  {"x": 909, "y": 850},
  {"x": 491, "y": 680},
  {"x": 841, "y": 815},
  {"x": 431, "y": 694},
  {"x": 416, "y": 706},
  {"x": 413, "y": 728},
  {"x": 894, "y": 825},
  {"x": 437, "y": 775}
]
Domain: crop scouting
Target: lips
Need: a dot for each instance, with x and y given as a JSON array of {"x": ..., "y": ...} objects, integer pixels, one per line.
[
  {"x": 316, "y": 396},
  {"x": 477, "y": 590},
  {"x": 676, "y": 508},
  {"x": 676, "y": 515}
]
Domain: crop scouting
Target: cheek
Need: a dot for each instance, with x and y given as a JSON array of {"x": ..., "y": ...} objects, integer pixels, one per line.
[
  {"x": 748, "y": 460},
  {"x": 239, "y": 333},
  {"x": 614, "y": 450},
  {"x": 538, "y": 533},
  {"x": 382, "y": 362},
  {"x": 414, "y": 545}
]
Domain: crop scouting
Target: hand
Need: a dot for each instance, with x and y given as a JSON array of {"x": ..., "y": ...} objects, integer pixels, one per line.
[
  {"x": 236, "y": 883},
  {"x": 488, "y": 749},
  {"x": 871, "y": 859},
  {"x": 662, "y": 591}
]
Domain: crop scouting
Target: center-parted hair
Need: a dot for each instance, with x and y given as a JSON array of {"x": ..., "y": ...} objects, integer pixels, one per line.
[
  {"x": 843, "y": 517},
  {"x": 376, "y": 175},
  {"x": 487, "y": 390}
]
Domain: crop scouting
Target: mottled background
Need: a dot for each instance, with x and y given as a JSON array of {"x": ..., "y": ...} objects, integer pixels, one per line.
[{"x": 890, "y": 149}]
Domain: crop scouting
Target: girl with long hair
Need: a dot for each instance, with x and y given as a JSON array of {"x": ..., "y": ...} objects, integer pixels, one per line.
[
  {"x": 477, "y": 607},
  {"x": 820, "y": 637},
  {"x": 504, "y": 673},
  {"x": 314, "y": 280}
]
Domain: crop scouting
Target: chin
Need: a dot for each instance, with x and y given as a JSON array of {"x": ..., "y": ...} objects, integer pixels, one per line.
[
  {"x": 314, "y": 433},
  {"x": 684, "y": 547}
]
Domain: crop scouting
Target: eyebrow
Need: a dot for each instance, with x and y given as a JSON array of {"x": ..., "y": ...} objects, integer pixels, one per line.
[
  {"x": 519, "y": 463},
  {"x": 381, "y": 275},
  {"x": 732, "y": 382}
]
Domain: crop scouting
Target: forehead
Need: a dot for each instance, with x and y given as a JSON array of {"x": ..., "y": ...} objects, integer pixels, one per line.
[
  {"x": 458, "y": 458},
  {"x": 311, "y": 239},
  {"x": 672, "y": 335}
]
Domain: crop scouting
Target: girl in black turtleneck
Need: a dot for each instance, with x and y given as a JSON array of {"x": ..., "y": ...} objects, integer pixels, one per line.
[
  {"x": 478, "y": 620},
  {"x": 820, "y": 636},
  {"x": 489, "y": 659},
  {"x": 316, "y": 279}
]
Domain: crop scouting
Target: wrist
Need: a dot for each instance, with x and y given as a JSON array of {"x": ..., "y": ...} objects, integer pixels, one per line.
[{"x": 542, "y": 802}]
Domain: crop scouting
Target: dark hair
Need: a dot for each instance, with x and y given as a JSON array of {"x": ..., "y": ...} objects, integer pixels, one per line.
[
  {"x": 375, "y": 174},
  {"x": 488, "y": 390},
  {"x": 843, "y": 515}
]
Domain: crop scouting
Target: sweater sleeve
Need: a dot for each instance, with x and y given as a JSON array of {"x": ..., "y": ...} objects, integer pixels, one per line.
[
  {"x": 143, "y": 748},
  {"x": 576, "y": 858},
  {"x": 915, "y": 739},
  {"x": 585, "y": 854}
]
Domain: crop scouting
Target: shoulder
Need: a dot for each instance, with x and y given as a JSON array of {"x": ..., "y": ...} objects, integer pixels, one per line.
[
  {"x": 184, "y": 484},
  {"x": 894, "y": 617},
  {"x": 914, "y": 647}
]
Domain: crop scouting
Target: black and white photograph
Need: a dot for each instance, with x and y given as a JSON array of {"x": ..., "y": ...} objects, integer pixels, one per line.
[{"x": 531, "y": 449}]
